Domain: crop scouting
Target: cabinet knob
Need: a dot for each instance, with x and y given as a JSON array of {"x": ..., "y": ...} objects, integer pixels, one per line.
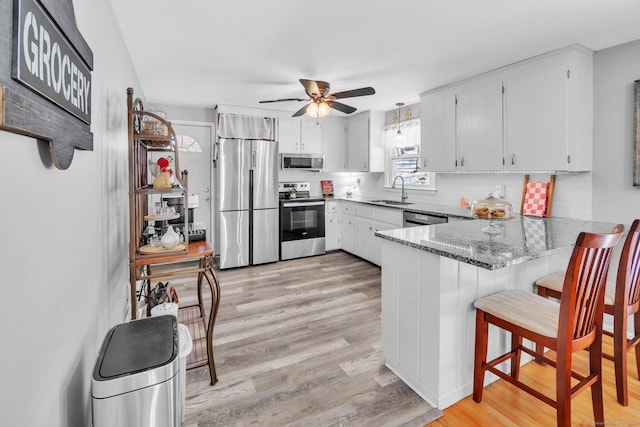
[
  {"x": 513, "y": 159},
  {"x": 462, "y": 161}
]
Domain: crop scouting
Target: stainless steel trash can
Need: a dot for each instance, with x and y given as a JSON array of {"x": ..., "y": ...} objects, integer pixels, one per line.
[{"x": 135, "y": 379}]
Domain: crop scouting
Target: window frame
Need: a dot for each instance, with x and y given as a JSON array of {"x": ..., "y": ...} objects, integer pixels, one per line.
[{"x": 412, "y": 130}]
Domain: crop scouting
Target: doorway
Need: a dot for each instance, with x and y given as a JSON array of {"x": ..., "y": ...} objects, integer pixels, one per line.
[{"x": 195, "y": 140}]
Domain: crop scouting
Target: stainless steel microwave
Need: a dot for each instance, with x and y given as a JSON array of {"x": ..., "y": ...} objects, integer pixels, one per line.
[{"x": 301, "y": 161}]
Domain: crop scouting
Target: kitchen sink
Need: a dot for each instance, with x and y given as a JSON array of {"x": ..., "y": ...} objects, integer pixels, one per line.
[{"x": 392, "y": 202}]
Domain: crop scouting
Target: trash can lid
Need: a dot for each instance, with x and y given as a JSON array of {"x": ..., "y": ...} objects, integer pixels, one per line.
[{"x": 137, "y": 346}]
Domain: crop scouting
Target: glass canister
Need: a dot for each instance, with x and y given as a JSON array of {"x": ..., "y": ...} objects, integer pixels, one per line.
[
  {"x": 153, "y": 126},
  {"x": 491, "y": 208}
]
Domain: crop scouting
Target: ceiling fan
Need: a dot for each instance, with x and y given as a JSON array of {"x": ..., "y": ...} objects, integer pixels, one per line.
[{"x": 322, "y": 101}]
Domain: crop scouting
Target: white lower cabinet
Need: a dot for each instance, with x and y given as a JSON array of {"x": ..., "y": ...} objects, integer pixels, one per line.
[
  {"x": 364, "y": 238},
  {"x": 347, "y": 234},
  {"x": 359, "y": 223},
  {"x": 333, "y": 230}
]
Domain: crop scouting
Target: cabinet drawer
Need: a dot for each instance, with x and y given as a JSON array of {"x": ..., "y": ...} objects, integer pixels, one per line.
[
  {"x": 366, "y": 211},
  {"x": 332, "y": 207},
  {"x": 393, "y": 216},
  {"x": 348, "y": 208}
]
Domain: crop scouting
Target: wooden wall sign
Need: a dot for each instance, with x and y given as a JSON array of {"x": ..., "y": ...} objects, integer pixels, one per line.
[{"x": 45, "y": 90}]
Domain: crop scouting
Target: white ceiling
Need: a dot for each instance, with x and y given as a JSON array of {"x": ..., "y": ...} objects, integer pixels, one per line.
[{"x": 237, "y": 52}]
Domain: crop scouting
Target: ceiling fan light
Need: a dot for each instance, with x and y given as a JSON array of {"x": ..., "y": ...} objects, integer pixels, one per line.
[
  {"x": 312, "y": 110},
  {"x": 323, "y": 109},
  {"x": 318, "y": 109}
]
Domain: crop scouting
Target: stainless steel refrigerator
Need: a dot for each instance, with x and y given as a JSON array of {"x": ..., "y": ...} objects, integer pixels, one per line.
[{"x": 246, "y": 192}]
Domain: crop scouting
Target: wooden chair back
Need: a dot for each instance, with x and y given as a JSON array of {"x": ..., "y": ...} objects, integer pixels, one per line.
[
  {"x": 582, "y": 301},
  {"x": 629, "y": 271},
  {"x": 550, "y": 189}
]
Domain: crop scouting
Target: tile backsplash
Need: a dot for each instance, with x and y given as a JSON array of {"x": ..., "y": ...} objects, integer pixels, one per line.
[{"x": 572, "y": 195}]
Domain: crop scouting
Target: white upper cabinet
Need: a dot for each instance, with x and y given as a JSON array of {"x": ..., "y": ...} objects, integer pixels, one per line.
[
  {"x": 479, "y": 126},
  {"x": 364, "y": 152},
  {"x": 289, "y": 135},
  {"x": 536, "y": 115},
  {"x": 311, "y": 137},
  {"x": 462, "y": 127},
  {"x": 438, "y": 131},
  {"x": 299, "y": 136},
  {"x": 548, "y": 113},
  {"x": 334, "y": 144}
]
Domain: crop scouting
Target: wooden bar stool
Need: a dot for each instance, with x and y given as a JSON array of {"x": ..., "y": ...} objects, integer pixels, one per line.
[
  {"x": 572, "y": 325},
  {"x": 622, "y": 299}
]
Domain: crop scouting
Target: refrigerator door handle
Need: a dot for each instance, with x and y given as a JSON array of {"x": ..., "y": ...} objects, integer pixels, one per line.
[{"x": 253, "y": 159}]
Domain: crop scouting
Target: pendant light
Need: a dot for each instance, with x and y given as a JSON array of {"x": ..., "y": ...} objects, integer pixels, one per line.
[{"x": 399, "y": 139}]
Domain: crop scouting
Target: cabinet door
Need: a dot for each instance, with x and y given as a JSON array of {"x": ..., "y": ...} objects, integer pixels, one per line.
[
  {"x": 289, "y": 135},
  {"x": 334, "y": 141},
  {"x": 347, "y": 233},
  {"x": 332, "y": 232},
  {"x": 377, "y": 243},
  {"x": 438, "y": 131},
  {"x": 311, "y": 137},
  {"x": 364, "y": 231},
  {"x": 358, "y": 144},
  {"x": 536, "y": 119},
  {"x": 479, "y": 127}
]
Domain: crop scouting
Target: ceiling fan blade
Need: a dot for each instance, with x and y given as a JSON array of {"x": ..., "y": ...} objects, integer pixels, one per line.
[
  {"x": 284, "y": 99},
  {"x": 364, "y": 91},
  {"x": 315, "y": 88},
  {"x": 347, "y": 109},
  {"x": 300, "y": 111}
]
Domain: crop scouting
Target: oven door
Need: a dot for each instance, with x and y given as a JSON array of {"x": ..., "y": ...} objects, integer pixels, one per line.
[{"x": 301, "y": 220}]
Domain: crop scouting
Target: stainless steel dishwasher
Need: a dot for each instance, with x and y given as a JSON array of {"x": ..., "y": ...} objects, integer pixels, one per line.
[{"x": 415, "y": 219}]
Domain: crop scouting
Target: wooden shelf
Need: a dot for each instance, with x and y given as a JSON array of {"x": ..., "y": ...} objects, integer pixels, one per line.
[
  {"x": 148, "y": 189},
  {"x": 142, "y": 266}
]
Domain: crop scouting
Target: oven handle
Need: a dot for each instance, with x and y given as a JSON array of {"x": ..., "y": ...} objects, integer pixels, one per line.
[{"x": 295, "y": 204}]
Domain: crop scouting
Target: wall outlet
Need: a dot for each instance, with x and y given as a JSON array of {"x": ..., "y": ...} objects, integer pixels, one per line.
[{"x": 499, "y": 191}]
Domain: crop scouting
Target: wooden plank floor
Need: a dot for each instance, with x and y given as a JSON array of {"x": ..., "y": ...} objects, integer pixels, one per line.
[
  {"x": 298, "y": 343},
  {"x": 505, "y": 405}
]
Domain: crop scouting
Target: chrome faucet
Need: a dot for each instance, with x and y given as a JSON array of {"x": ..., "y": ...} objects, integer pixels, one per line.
[{"x": 404, "y": 196}]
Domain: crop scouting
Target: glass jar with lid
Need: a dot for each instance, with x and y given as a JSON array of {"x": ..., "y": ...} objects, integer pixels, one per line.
[{"x": 491, "y": 208}]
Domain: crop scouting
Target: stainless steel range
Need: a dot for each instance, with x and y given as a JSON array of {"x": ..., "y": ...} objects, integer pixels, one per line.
[{"x": 301, "y": 221}]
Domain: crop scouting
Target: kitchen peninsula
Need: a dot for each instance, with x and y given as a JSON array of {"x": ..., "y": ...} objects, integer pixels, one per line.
[{"x": 431, "y": 276}]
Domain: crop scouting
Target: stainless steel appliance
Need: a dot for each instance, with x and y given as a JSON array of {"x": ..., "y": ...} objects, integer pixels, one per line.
[
  {"x": 302, "y": 161},
  {"x": 415, "y": 219},
  {"x": 246, "y": 191},
  {"x": 302, "y": 225}
]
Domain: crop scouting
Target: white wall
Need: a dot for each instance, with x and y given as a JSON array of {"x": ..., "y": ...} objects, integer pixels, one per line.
[
  {"x": 64, "y": 248},
  {"x": 614, "y": 197}
]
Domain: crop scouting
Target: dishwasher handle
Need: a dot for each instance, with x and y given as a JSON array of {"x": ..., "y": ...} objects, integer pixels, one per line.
[{"x": 413, "y": 219}]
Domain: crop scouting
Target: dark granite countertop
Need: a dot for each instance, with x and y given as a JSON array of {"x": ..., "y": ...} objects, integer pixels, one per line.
[
  {"x": 423, "y": 208},
  {"x": 519, "y": 239}
]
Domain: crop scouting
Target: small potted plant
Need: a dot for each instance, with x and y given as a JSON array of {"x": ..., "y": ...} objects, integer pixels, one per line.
[{"x": 292, "y": 193}]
